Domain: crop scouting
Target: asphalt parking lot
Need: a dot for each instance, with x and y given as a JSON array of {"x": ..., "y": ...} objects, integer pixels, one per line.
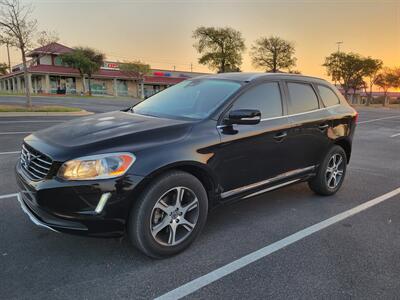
[{"x": 355, "y": 257}]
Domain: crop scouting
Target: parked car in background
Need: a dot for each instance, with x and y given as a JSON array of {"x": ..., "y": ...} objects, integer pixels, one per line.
[{"x": 155, "y": 170}]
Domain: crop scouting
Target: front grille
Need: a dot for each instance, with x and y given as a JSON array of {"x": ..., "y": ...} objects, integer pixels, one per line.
[{"x": 34, "y": 163}]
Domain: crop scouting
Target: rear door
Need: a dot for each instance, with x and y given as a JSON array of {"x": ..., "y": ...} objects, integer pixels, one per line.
[{"x": 310, "y": 125}]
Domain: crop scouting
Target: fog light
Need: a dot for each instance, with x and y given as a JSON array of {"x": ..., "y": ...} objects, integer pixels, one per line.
[{"x": 102, "y": 202}]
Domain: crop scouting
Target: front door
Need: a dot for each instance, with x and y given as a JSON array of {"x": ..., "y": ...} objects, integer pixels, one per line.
[{"x": 250, "y": 154}]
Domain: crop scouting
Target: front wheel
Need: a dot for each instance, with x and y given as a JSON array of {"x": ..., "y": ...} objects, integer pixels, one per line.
[
  {"x": 331, "y": 172},
  {"x": 169, "y": 215}
]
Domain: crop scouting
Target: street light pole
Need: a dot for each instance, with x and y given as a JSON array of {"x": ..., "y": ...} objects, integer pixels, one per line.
[
  {"x": 338, "y": 51},
  {"x": 338, "y": 46}
]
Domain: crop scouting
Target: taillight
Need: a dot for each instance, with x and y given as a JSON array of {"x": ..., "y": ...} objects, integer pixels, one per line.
[{"x": 356, "y": 118}]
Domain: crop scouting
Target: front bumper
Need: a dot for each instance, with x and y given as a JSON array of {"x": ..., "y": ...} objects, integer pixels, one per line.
[
  {"x": 31, "y": 216},
  {"x": 74, "y": 206}
]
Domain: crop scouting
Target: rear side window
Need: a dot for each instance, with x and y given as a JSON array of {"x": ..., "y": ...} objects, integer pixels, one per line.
[
  {"x": 328, "y": 97},
  {"x": 266, "y": 97},
  {"x": 302, "y": 97}
]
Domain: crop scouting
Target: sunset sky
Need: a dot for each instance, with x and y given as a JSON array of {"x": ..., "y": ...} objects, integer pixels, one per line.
[{"x": 159, "y": 32}]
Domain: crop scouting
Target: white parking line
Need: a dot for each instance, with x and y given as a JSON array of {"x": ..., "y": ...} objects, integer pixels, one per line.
[
  {"x": 15, "y": 132},
  {"x": 242, "y": 262},
  {"x": 374, "y": 120},
  {"x": 394, "y": 135},
  {"x": 8, "y": 196},
  {"x": 11, "y": 152}
]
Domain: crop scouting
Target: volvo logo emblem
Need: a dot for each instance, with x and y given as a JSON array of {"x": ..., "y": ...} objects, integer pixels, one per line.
[{"x": 28, "y": 159}]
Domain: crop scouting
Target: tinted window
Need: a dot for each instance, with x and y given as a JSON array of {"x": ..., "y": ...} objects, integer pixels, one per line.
[
  {"x": 265, "y": 97},
  {"x": 328, "y": 96},
  {"x": 193, "y": 99},
  {"x": 302, "y": 98}
]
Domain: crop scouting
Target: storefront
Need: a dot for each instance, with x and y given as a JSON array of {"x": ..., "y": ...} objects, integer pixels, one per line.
[
  {"x": 159, "y": 80},
  {"x": 47, "y": 75}
]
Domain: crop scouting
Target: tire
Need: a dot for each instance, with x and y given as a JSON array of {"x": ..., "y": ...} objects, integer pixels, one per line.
[
  {"x": 155, "y": 209},
  {"x": 323, "y": 183}
]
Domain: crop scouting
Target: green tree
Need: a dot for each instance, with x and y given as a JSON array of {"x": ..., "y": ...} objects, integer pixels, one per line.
[
  {"x": 86, "y": 60},
  {"x": 273, "y": 54},
  {"x": 220, "y": 48},
  {"x": 136, "y": 68},
  {"x": 3, "y": 69},
  {"x": 387, "y": 79},
  {"x": 371, "y": 71},
  {"x": 356, "y": 84},
  {"x": 346, "y": 68}
]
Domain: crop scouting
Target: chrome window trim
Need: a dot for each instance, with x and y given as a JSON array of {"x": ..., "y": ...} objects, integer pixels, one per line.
[
  {"x": 311, "y": 111},
  {"x": 266, "y": 181},
  {"x": 290, "y": 115}
]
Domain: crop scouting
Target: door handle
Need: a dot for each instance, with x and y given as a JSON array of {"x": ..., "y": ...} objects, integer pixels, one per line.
[
  {"x": 280, "y": 136},
  {"x": 323, "y": 126}
]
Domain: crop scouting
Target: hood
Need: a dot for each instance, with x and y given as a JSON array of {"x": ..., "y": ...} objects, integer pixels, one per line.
[{"x": 113, "y": 131}]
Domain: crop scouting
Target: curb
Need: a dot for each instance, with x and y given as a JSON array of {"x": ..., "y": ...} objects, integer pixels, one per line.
[{"x": 44, "y": 114}]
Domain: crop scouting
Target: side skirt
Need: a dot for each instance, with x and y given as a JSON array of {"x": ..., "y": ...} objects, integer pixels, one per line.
[
  {"x": 271, "y": 183},
  {"x": 271, "y": 188}
]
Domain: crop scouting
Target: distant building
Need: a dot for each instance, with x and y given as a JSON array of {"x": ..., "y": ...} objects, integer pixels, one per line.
[
  {"x": 47, "y": 75},
  {"x": 360, "y": 96}
]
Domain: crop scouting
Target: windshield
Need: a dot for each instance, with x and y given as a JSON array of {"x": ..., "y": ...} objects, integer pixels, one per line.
[{"x": 193, "y": 99}]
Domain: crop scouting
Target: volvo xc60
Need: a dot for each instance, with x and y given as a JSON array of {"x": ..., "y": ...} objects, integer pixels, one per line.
[{"x": 154, "y": 170}]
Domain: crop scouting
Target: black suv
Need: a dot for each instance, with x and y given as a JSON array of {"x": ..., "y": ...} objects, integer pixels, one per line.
[{"x": 156, "y": 169}]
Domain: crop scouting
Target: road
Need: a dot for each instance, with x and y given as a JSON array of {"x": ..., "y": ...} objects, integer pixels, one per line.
[{"x": 356, "y": 257}]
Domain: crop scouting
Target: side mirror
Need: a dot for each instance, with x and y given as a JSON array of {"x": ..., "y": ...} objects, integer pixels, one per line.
[{"x": 243, "y": 117}]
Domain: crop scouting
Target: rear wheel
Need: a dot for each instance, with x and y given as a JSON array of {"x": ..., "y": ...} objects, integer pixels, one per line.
[
  {"x": 330, "y": 173},
  {"x": 169, "y": 215}
]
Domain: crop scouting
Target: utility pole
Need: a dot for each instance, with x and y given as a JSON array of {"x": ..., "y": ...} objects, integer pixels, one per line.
[
  {"x": 338, "y": 46},
  {"x": 338, "y": 51},
  {"x": 191, "y": 67},
  {"x": 8, "y": 55}
]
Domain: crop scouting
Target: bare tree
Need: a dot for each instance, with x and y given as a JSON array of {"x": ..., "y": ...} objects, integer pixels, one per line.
[
  {"x": 18, "y": 26},
  {"x": 46, "y": 40}
]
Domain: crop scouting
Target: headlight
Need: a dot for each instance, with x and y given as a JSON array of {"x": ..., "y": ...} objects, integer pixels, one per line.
[{"x": 96, "y": 167}]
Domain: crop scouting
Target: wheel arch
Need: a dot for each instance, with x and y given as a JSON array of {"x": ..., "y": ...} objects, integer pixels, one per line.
[
  {"x": 346, "y": 145},
  {"x": 198, "y": 170}
]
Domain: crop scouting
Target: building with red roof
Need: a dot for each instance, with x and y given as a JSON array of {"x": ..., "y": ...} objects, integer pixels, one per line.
[{"x": 48, "y": 75}]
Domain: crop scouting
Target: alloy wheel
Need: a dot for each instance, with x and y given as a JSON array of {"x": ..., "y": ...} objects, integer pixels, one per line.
[
  {"x": 174, "y": 216},
  {"x": 334, "y": 171}
]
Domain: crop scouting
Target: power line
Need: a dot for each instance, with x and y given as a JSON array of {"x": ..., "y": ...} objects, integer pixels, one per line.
[{"x": 150, "y": 60}]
